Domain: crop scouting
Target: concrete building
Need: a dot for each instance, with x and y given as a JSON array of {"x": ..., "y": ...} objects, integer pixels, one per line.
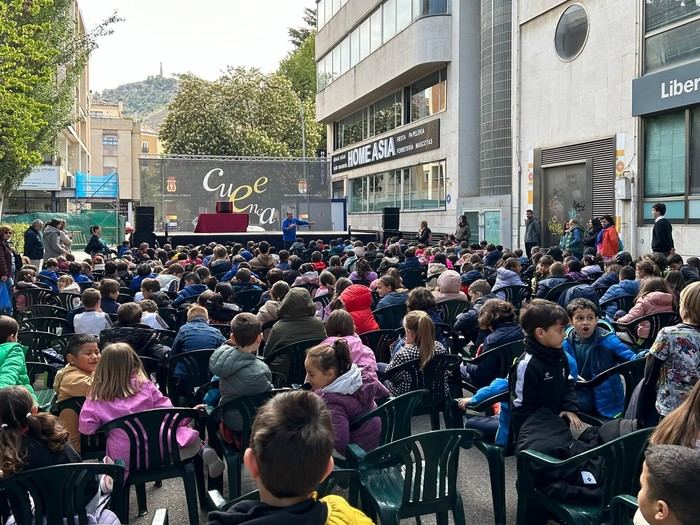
[
  {"x": 400, "y": 88},
  {"x": 51, "y": 186},
  {"x": 606, "y": 117},
  {"x": 117, "y": 141}
]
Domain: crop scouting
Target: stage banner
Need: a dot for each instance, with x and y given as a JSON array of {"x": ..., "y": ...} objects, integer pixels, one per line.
[{"x": 180, "y": 188}]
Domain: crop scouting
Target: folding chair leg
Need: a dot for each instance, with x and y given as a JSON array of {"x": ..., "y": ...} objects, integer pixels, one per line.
[
  {"x": 435, "y": 420},
  {"x": 458, "y": 511},
  {"x": 141, "y": 498},
  {"x": 497, "y": 473},
  {"x": 233, "y": 467},
  {"x": 199, "y": 478}
]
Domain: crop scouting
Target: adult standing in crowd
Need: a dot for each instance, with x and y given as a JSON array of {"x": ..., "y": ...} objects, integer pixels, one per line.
[
  {"x": 289, "y": 228},
  {"x": 96, "y": 245},
  {"x": 34, "y": 243},
  {"x": 424, "y": 233},
  {"x": 533, "y": 232},
  {"x": 7, "y": 260},
  {"x": 608, "y": 241},
  {"x": 65, "y": 240},
  {"x": 463, "y": 232},
  {"x": 572, "y": 240},
  {"x": 52, "y": 241},
  {"x": 662, "y": 233},
  {"x": 591, "y": 233}
]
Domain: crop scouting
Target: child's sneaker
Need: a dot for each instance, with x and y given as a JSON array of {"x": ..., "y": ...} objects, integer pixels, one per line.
[{"x": 212, "y": 462}]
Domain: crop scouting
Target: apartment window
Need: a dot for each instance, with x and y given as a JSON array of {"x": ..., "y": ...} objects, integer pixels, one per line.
[
  {"x": 364, "y": 40},
  {"x": 385, "y": 115},
  {"x": 419, "y": 187},
  {"x": 110, "y": 140},
  {"x": 429, "y": 7},
  {"x": 96, "y": 114},
  {"x": 389, "y": 19},
  {"x": 336, "y": 63},
  {"x": 350, "y": 129},
  {"x": 144, "y": 147},
  {"x": 672, "y": 153},
  {"x": 344, "y": 55},
  {"x": 375, "y": 30},
  {"x": 674, "y": 46},
  {"x": 110, "y": 162},
  {"x": 321, "y": 13},
  {"x": 428, "y": 96},
  {"x": 354, "y": 47},
  {"x": 660, "y": 13},
  {"x": 403, "y": 14}
]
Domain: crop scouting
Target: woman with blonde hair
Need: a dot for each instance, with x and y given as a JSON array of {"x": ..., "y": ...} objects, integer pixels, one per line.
[{"x": 420, "y": 344}]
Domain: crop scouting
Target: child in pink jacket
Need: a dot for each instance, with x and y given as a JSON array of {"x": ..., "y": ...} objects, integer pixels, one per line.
[
  {"x": 655, "y": 296},
  {"x": 120, "y": 387},
  {"x": 340, "y": 325}
]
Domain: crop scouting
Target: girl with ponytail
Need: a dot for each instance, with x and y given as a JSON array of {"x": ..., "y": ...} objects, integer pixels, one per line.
[
  {"x": 349, "y": 392},
  {"x": 420, "y": 344}
]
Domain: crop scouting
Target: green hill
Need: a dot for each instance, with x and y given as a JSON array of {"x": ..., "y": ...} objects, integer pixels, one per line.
[{"x": 142, "y": 97}]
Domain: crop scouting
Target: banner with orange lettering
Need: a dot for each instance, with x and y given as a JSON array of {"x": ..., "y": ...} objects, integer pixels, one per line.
[{"x": 180, "y": 189}]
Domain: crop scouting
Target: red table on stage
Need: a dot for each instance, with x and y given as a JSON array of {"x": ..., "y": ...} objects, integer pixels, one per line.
[{"x": 222, "y": 223}]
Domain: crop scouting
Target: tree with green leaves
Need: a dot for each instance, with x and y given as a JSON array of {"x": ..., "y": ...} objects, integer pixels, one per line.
[
  {"x": 299, "y": 66},
  {"x": 243, "y": 113},
  {"x": 41, "y": 58}
]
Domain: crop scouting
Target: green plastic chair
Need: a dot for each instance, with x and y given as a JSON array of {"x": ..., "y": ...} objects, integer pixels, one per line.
[
  {"x": 451, "y": 309},
  {"x": 415, "y": 476},
  {"x": 44, "y": 310},
  {"x": 288, "y": 362},
  {"x": 505, "y": 354},
  {"x": 58, "y": 494},
  {"x": 395, "y": 415},
  {"x": 434, "y": 378},
  {"x": 656, "y": 323},
  {"x": 390, "y": 317},
  {"x": 245, "y": 408},
  {"x": 495, "y": 454},
  {"x": 380, "y": 342},
  {"x": 54, "y": 325},
  {"x": 154, "y": 455},
  {"x": 622, "y": 509},
  {"x": 192, "y": 372},
  {"x": 41, "y": 377},
  {"x": 92, "y": 446},
  {"x": 621, "y": 464}
]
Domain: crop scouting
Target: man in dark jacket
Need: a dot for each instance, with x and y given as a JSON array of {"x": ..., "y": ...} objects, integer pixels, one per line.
[
  {"x": 34, "y": 243},
  {"x": 662, "y": 233},
  {"x": 143, "y": 339},
  {"x": 533, "y": 232}
]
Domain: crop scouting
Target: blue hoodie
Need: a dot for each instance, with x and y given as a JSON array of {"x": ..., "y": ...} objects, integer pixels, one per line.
[
  {"x": 191, "y": 290},
  {"x": 605, "y": 350}
]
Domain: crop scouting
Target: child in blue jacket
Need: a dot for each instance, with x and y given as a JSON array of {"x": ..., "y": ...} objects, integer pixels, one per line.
[{"x": 592, "y": 350}]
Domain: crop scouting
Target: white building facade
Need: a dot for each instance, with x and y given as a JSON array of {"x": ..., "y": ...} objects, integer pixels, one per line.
[
  {"x": 606, "y": 116},
  {"x": 400, "y": 90}
]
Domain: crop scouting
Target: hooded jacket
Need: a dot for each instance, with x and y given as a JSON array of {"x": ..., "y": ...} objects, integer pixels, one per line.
[
  {"x": 392, "y": 299},
  {"x": 348, "y": 397},
  {"x": 573, "y": 241},
  {"x": 505, "y": 278},
  {"x": 52, "y": 245},
  {"x": 545, "y": 285},
  {"x": 269, "y": 311},
  {"x": 331, "y": 510},
  {"x": 608, "y": 242},
  {"x": 191, "y": 290},
  {"x": 297, "y": 321},
  {"x": 450, "y": 288},
  {"x": 361, "y": 355},
  {"x": 605, "y": 351},
  {"x": 143, "y": 339},
  {"x": 357, "y": 300},
  {"x": 240, "y": 374},
  {"x": 540, "y": 378},
  {"x": 263, "y": 260},
  {"x": 605, "y": 281},
  {"x": 33, "y": 245},
  {"x": 652, "y": 303},
  {"x": 71, "y": 381},
  {"x": 13, "y": 368}
]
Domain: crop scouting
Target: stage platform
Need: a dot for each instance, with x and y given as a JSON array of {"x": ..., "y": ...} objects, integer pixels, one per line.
[{"x": 273, "y": 237}]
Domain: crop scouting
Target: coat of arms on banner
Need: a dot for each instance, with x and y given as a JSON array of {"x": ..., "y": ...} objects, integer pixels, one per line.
[{"x": 171, "y": 185}]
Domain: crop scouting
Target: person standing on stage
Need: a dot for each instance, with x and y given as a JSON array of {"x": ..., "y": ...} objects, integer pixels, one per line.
[
  {"x": 289, "y": 228},
  {"x": 662, "y": 234},
  {"x": 533, "y": 232}
]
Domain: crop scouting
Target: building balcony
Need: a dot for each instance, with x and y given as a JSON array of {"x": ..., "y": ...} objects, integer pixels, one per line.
[{"x": 421, "y": 48}]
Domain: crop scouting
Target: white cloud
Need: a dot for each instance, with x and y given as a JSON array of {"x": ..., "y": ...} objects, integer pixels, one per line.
[{"x": 197, "y": 36}]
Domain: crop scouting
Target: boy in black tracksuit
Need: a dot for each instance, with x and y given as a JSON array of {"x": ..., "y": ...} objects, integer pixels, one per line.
[{"x": 540, "y": 377}]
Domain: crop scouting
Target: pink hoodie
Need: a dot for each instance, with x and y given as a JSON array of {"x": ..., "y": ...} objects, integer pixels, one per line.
[
  {"x": 652, "y": 303},
  {"x": 361, "y": 355},
  {"x": 96, "y": 413}
]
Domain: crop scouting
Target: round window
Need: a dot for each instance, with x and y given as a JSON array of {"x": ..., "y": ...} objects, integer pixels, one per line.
[{"x": 571, "y": 33}]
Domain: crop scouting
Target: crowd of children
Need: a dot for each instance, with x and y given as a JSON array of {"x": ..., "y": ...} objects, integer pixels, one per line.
[{"x": 334, "y": 298}]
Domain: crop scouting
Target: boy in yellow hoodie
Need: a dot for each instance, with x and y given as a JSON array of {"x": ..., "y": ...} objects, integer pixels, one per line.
[
  {"x": 290, "y": 453},
  {"x": 75, "y": 379}
]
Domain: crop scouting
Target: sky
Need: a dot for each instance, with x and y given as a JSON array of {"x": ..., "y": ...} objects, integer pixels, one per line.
[{"x": 202, "y": 37}]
